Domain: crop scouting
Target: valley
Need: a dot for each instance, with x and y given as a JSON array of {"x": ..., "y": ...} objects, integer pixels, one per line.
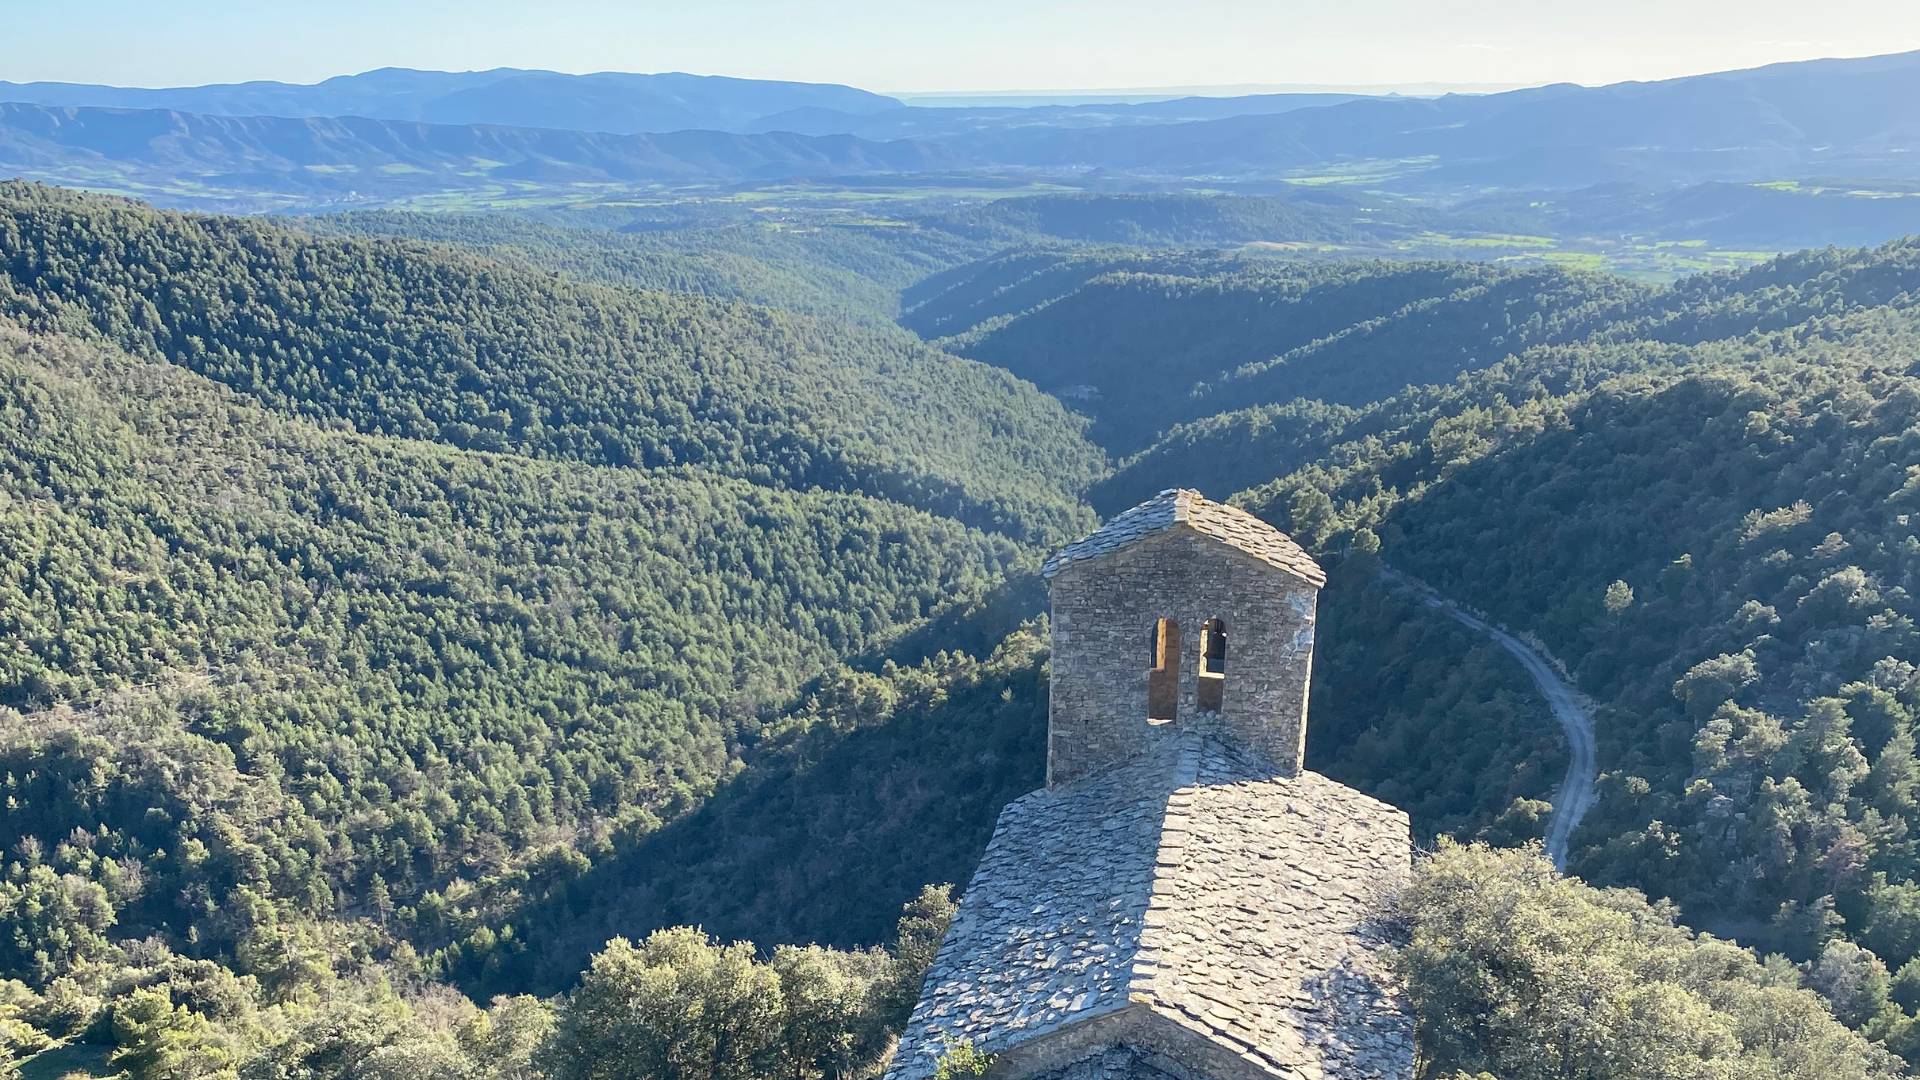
[{"x": 495, "y": 564}]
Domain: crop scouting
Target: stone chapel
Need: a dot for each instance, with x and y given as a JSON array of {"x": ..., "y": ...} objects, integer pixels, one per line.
[{"x": 1183, "y": 900}]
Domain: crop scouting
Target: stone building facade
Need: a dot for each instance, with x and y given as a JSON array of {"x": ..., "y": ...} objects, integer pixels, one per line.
[
  {"x": 1183, "y": 899},
  {"x": 1140, "y": 611}
]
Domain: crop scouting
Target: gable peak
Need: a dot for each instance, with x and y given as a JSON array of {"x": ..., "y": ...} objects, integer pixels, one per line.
[{"x": 1184, "y": 507}]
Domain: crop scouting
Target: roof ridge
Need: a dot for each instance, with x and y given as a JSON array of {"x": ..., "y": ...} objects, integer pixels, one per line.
[
  {"x": 1147, "y": 975},
  {"x": 1183, "y": 503},
  {"x": 1177, "y": 507},
  {"x": 1218, "y": 916},
  {"x": 1174, "y": 833}
]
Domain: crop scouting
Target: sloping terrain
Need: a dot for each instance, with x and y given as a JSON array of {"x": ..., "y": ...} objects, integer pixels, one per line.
[
  {"x": 1222, "y": 371},
  {"x": 397, "y": 135},
  {"x": 610, "y": 101},
  {"x": 1694, "y": 495},
  {"x": 193, "y": 159},
  {"x": 428, "y": 343},
  {"x": 1142, "y": 342},
  {"x": 1830, "y": 117},
  {"x": 1715, "y": 545},
  {"x": 1422, "y": 711},
  {"x": 377, "y": 605},
  {"x": 354, "y": 671},
  {"x": 845, "y": 271}
]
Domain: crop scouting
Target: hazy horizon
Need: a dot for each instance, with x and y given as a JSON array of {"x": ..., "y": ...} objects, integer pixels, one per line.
[
  {"x": 996, "y": 48},
  {"x": 959, "y": 95}
]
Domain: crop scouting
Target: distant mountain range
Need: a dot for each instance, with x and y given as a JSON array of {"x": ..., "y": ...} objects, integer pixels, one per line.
[
  {"x": 1826, "y": 117},
  {"x": 394, "y": 133},
  {"x": 608, "y": 101},
  {"x": 937, "y": 121},
  {"x": 197, "y": 159}
]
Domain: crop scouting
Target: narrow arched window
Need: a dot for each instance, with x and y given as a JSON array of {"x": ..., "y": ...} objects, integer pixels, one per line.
[
  {"x": 1213, "y": 665},
  {"x": 1163, "y": 671}
]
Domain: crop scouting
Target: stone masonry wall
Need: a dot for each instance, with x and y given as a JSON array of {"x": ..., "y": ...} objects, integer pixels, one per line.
[
  {"x": 1104, "y": 610},
  {"x": 1154, "y": 1039}
]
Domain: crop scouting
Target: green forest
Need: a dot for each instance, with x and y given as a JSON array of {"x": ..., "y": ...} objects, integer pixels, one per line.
[
  {"x": 452, "y": 646},
  {"x": 298, "y": 698},
  {"x": 434, "y": 344},
  {"x": 816, "y": 265}
]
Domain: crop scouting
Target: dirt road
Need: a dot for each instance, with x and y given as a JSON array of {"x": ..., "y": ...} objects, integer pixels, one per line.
[{"x": 1575, "y": 714}]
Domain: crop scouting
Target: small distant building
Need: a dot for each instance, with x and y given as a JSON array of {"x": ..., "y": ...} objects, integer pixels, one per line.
[{"x": 1183, "y": 899}]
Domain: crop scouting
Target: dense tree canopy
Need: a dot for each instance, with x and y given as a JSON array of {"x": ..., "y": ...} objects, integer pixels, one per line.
[
  {"x": 1142, "y": 342},
  {"x": 279, "y": 697},
  {"x": 1694, "y": 495},
  {"x": 381, "y": 617},
  {"x": 818, "y": 267},
  {"x": 429, "y": 343},
  {"x": 1519, "y": 973}
]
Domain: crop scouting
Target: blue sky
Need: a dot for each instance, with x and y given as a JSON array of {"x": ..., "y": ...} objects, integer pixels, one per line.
[{"x": 905, "y": 45}]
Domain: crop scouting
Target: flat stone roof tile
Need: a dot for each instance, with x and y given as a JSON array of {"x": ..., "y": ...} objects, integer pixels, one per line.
[
  {"x": 1259, "y": 931},
  {"x": 1177, "y": 507}
]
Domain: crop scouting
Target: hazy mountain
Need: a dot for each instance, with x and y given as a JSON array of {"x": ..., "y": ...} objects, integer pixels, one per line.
[
  {"x": 611, "y": 101},
  {"x": 336, "y": 157},
  {"x": 1827, "y": 117},
  {"x": 1804, "y": 121},
  {"x": 1757, "y": 215},
  {"x": 931, "y": 121}
]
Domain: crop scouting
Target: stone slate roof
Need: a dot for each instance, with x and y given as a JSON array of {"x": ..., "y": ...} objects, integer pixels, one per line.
[
  {"x": 1181, "y": 506},
  {"x": 1233, "y": 909}
]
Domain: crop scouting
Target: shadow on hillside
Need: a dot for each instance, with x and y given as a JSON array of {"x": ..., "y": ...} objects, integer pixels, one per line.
[
  {"x": 974, "y": 629},
  {"x": 1415, "y": 709},
  {"x": 823, "y": 840}
]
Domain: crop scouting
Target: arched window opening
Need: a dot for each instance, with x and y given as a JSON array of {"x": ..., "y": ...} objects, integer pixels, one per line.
[
  {"x": 1213, "y": 665},
  {"x": 1163, "y": 672}
]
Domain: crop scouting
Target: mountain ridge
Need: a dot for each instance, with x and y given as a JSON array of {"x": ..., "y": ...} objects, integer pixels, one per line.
[
  {"x": 1784, "y": 122},
  {"x": 358, "y": 158},
  {"x": 614, "y": 102},
  {"x": 1551, "y": 136}
]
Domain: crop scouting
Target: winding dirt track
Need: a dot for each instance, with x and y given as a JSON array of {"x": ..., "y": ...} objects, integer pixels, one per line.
[{"x": 1577, "y": 791}]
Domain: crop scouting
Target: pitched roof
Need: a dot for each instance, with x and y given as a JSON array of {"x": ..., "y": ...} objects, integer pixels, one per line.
[
  {"x": 1233, "y": 909},
  {"x": 1175, "y": 507}
]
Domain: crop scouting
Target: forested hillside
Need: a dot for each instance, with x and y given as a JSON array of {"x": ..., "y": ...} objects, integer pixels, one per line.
[
  {"x": 361, "y": 595},
  {"x": 428, "y": 343},
  {"x": 1718, "y": 551},
  {"x": 1143, "y": 342},
  {"x": 400, "y": 603},
  {"x": 426, "y": 663},
  {"x": 853, "y": 272},
  {"x": 1713, "y": 535},
  {"x": 1221, "y": 371},
  {"x": 871, "y": 784},
  {"x": 1694, "y": 495}
]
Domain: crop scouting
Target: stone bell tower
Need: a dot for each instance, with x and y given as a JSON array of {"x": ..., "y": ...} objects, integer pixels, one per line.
[
  {"x": 1183, "y": 901},
  {"x": 1179, "y": 613}
]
